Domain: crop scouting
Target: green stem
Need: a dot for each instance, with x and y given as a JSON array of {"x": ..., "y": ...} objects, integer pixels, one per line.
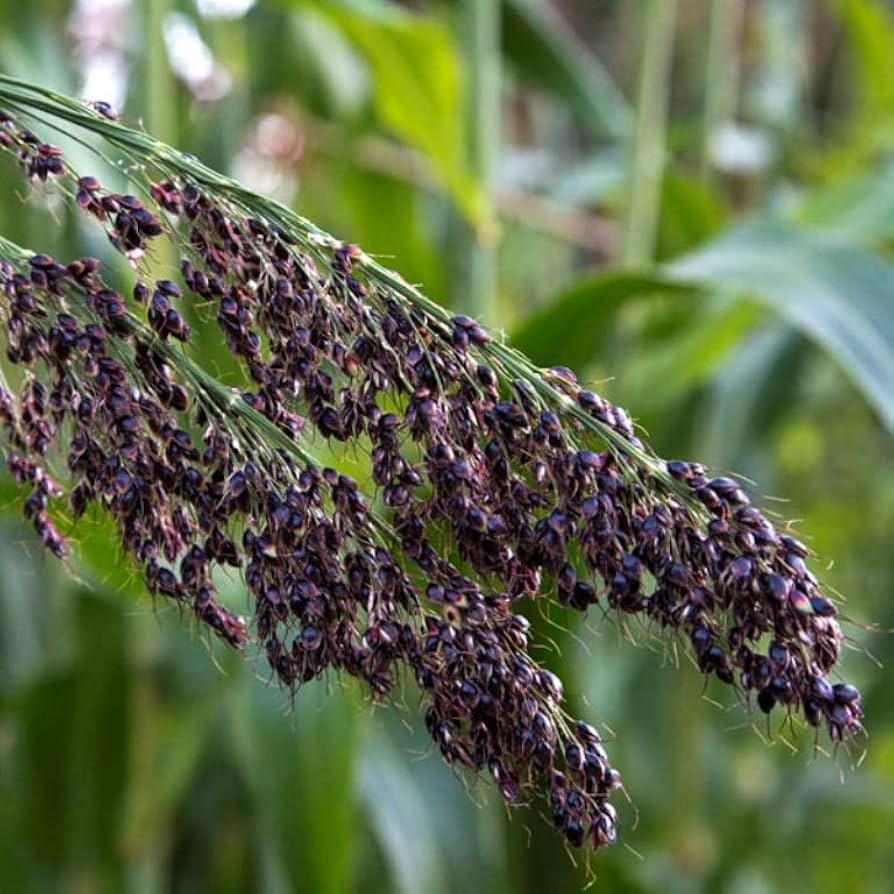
[
  {"x": 159, "y": 92},
  {"x": 482, "y": 26},
  {"x": 721, "y": 72},
  {"x": 648, "y": 154},
  {"x": 158, "y": 101}
]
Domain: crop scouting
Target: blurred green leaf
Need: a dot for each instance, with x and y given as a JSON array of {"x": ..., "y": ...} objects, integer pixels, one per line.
[
  {"x": 365, "y": 199},
  {"x": 683, "y": 361},
  {"x": 841, "y": 297},
  {"x": 96, "y": 753},
  {"x": 433, "y": 837},
  {"x": 419, "y": 92},
  {"x": 64, "y": 745},
  {"x": 338, "y": 77},
  {"x": 171, "y": 738},
  {"x": 857, "y": 210},
  {"x": 301, "y": 778},
  {"x": 691, "y": 212},
  {"x": 547, "y": 52},
  {"x": 746, "y": 396},
  {"x": 23, "y": 610},
  {"x": 865, "y": 128},
  {"x": 573, "y": 326},
  {"x": 869, "y": 28},
  {"x": 400, "y": 817}
]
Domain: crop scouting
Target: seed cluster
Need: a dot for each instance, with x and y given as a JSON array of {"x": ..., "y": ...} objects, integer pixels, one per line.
[
  {"x": 494, "y": 482},
  {"x": 506, "y": 474},
  {"x": 40, "y": 160}
]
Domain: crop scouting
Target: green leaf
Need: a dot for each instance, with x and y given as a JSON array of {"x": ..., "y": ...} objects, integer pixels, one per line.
[
  {"x": 691, "y": 212},
  {"x": 857, "y": 210},
  {"x": 431, "y": 835},
  {"x": 337, "y": 75},
  {"x": 25, "y": 647},
  {"x": 419, "y": 92},
  {"x": 171, "y": 737},
  {"x": 686, "y": 359},
  {"x": 868, "y": 26},
  {"x": 571, "y": 329},
  {"x": 747, "y": 396},
  {"x": 840, "y": 297},
  {"x": 547, "y": 52},
  {"x": 300, "y": 773},
  {"x": 866, "y": 128},
  {"x": 96, "y": 751},
  {"x": 399, "y": 815}
]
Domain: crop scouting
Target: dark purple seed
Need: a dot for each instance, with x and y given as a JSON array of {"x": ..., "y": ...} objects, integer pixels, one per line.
[
  {"x": 845, "y": 694},
  {"x": 574, "y": 832},
  {"x": 766, "y": 700},
  {"x": 823, "y": 607}
]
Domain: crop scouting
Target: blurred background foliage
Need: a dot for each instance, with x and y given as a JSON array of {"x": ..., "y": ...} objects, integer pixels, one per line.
[{"x": 689, "y": 201}]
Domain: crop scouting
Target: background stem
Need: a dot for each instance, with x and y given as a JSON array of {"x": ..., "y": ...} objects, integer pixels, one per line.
[
  {"x": 648, "y": 153},
  {"x": 721, "y": 72},
  {"x": 479, "y": 252}
]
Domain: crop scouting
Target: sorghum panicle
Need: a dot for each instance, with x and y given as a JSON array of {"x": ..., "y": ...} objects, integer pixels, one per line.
[{"x": 540, "y": 488}]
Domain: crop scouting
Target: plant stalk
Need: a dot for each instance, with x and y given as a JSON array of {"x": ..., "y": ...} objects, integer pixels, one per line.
[
  {"x": 721, "y": 73},
  {"x": 479, "y": 254},
  {"x": 649, "y": 141}
]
